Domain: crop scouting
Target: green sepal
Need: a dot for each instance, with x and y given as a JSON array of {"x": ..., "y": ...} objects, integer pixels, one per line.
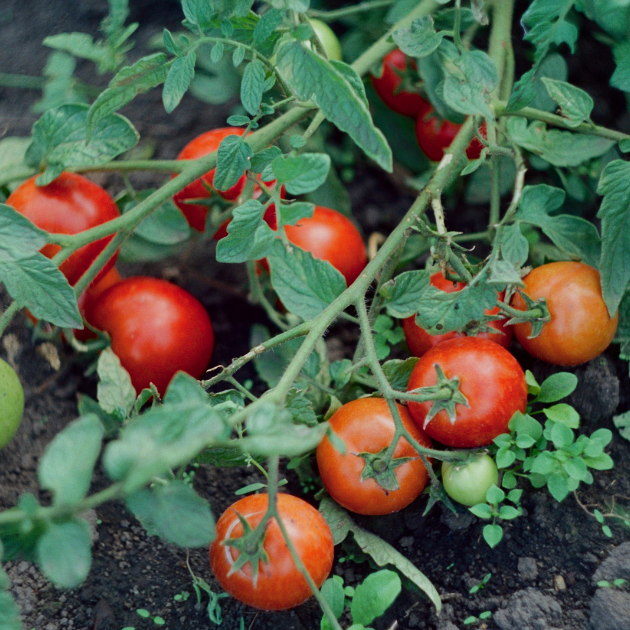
[
  {"x": 246, "y": 555},
  {"x": 385, "y": 478},
  {"x": 537, "y": 322},
  {"x": 456, "y": 397}
]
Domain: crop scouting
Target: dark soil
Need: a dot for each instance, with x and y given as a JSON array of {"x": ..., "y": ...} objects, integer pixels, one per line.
[{"x": 541, "y": 574}]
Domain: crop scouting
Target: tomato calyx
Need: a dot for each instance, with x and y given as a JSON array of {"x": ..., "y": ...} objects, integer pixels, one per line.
[
  {"x": 382, "y": 468},
  {"x": 536, "y": 313},
  {"x": 250, "y": 547},
  {"x": 445, "y": 395}
]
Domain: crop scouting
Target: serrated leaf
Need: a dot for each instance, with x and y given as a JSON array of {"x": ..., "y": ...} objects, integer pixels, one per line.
[
  {"x": 419, "y": 39},
  {"x": 305, "y": 284},
  {"x": 267, "y": 24},
  {"x": 545, "y": 24},
  {"x": 300, "y": 408},
  {"x": 178, "y": 79},
  {"x": 374, "y": 596},
  {"x": 614, "y": 212},
  {"x": 556, "y": 387},
  {"x": 63, "y": 553},
  {"x": 560, "y": 148},
  {"x": 68, "y": 462},
  {"x": 576, "y": 104},
  {"x": 301, "y": 173},
  {"x": 175, "y": 513},
  {"x": 60, "y": 139},
  {"x": 514, "y": 245},
  {"x": 18, "y": 235},
  {"x": 310, "y": 76},
  {"x": 197, "y": 12},
  {"x": 575, "y": 236},
  {"x": 82, "y": 45},
  {"x": 351, "y": 75},
  {"x": 115, "y": 393},
  {"x": 233, "y": 158},
  {"x": 398, "y": 372},
  {"x": 291, "y": 213},
  {"x": 252, "y": 86},
  {"x": 264, "y": 158},
  {"x": 403, "y": 296}
]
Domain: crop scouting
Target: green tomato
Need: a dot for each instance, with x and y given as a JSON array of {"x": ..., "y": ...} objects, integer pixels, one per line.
[
  {"x": 11, "y": 403},
  {"x": 327, "y": 37},
  {"x": 468, "y": 482}
]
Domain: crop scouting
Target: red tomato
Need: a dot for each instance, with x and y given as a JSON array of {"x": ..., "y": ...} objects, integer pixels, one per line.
[
  {"x": 331, "y": 236},
  {"x": 156, "y": 328},
  {"x": 490, "y": 378},
  {"x": 419, "y": 341},
  {"x": 387, "y": 86},
  {"x": 580, "y": 328},
  {"x": 68, "y": 205},
  {"x": 473, "y": 152},
  {"x": 280, "y": 585},
  {"x": 366, "y": 425},
  {"x": 435, "y": 135}
]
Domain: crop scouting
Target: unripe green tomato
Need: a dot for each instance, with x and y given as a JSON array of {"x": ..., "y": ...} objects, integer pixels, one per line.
[
  {"x": 11, "y": 403},
  {"x": 327, "y": 37},
  {"x": 468, "y": 482}
]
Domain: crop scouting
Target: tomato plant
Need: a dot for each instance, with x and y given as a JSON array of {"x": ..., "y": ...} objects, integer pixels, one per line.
[
  {"x": 366, "y": 427},
  {"x": 68, "y": 205},
  {"x": 490, "y": 378},
  {"x": 435, "y": 135},
  {"x": 156, "y": 328},
  {"x": 467, "y": 482},
  {"x": 581, "y": 327},
  {"x": 331, "y": 236},
  {"x": 419, "y": 340},
  {"x": 388, "y": 85},
  {"x": 279, "y": 584},
  {"x": 11, "y": 403}
]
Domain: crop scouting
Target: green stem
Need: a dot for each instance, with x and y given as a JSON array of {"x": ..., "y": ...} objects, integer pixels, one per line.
[
  {"x": 457, "y": 25},
  {"x": 240, "y": 388},
  {"x": 336, "y": 14},
  {"x": 501, "y": 37},
  {"x": 7, "y": 316},
  {"x": 170, "y": 166}
]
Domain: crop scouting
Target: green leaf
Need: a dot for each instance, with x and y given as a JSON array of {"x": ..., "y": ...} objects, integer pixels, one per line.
[
  {"x": 575, "y": 468},
  {"x": 403, "y": 294},
  {"x": 620, "y": 78},
  {"x": 576, "y": 104},
  {"x": 525, "y": 424},
  {"x": 305, "y": 284},
  {"x": 82, "y": 45},
  {"x": 130, "y": 81},
  {"x": 249, "y": 237},
  {"x": 9, "y": 610},
  {"x": 332, "y": 592},
  {"x": 492, "y": 534},
  {"x": 175, "y": 513},
  {"x": 197, "y": 12},
  {"x": 563, "y": 413},
  {"x": 263, "y": 158},
  {"x": 556, "y": 387},
  {"x": 338, "y": 519},
  {"x": 544, "y": 464},
  {"x": 533, "y": 388},
  {"x": 419, "y": 39},
  {"x": 310, "y": 76},
  {"x": 508, "y": 513},
  {"x": 481, "y": 510},
  {"x": 374, "y": 596},
  {"x": 63, "y": 553},
  {"x": 300, "y": 408},
  {"x": 514, "y": 245},
  {"x": 469, "y": 85},
  {"x": 268, "y": 23},
  {"x": 233, "y": 158},
  {"x": 545, "y": 24},
  {"x": 252, "y": 86},
  {"x": 60, "y": 140},
  {"x": 115, "y": 393},
  {"x": 301, "y": 173},
  {"x": 36, "y": 283},
  {"x": 576, "y": 237},
  {"x": 166, "y": 225},
  {"x": 494, "y": 495},
  {"x": 601, "y": 462},
  {"x": 291, "y": 213},
  {"x": 558, "y": 486},
  {"x": 505, "y": 457},
  {"x": 68, "y": 462},
  {"x": 238, "y": 56},
  {"x": 178, "y": 79},
  {"x": 398, "y": 372},
  {"x": 110, "y": 422},
  {"x": 350, "y": 74},
  {"x": 622, "y": 422},
  {"x": 614, "y": 213},
  {"x": 18, "y": 235},
  {"x": 561, "y": 435}
]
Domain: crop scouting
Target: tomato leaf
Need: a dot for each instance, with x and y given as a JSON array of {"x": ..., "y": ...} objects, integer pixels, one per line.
[
  {"x": 178, "y": 79},
  {"x": 576, "y": 237},
  {"x": 68, "y": 462},
  {"x": 175, "y": 513},
  {"x": 291, "y": 213},
  {"x": 310, "y": 76},
  {"x": 63, "y": 552},
  {"x": 300, "y": 408},
  {"x": 374, "y": 596},
  {"x": 301, "y": 173},
  {"x": 252, "y": 86},
  {"x": 115, "y": 393},
  {"x": 419, "y": 39},
  {"x": 18, "y": 235},
  {"x": 263, "y": 158},
  {"x": 305, "y": 284},
  {"x": 197, "y": 12},
  {"x": 614, "y": 213},
  {"x": 403, "y": 295},
  {"x": 398, "y": 372},
  {"x": 268, "y": 23},
  {"x": 575, "y": 104},
  {"x": 233, "y": 159},
  {"x": 82, "y": 45},
  {"x": 514, "y": 245},
  {"x": 60, "y": 140}
]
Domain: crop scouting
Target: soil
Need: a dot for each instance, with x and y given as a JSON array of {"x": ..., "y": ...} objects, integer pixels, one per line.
[{"x": 542, "y": 574}]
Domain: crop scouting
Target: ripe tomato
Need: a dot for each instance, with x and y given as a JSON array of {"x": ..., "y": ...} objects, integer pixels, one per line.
[
  {"x": 366, "y": 425},
  {"x": 331, "y": 236},
  {"x": 435, "y": 135},
  {"x": 327, "y": 37},
  {"x": 490, "y": 378},
  {"x": 473, "y": 152},
  {"x": 280, "y": 585},
  {"x": 68, "y": 205},
  {"x": 467, "y": 482},
  {"x": 387, "y": 86},
  {"x": 419, "y": 340},
  {"x": 156, "y": 328},
  {"x": 580, "y": 328},
  {"x": 11, "y": 403}
]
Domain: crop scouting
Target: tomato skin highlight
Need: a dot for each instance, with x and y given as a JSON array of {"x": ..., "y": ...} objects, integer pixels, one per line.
[
  {"x": 366, "y": 425},
  {"x": 581, "y": 327},
  {"x": 490, "y": 378},
  {"x": 387, "y": 85},
  {"x": 156, "y": 328},
  {"x": 467, "y": 482},
  {"x": 280, "y": 584},
  {"x": 68, "y": 205},
  {"x": 331, "y": 236},
  {"x": 420, "y": 341}
]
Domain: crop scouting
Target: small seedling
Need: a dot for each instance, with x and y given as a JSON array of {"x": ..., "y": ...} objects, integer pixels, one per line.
[
  {"x": 145, "y": 614},
  {"x": 619, "y": 582},
  {"x": 482, "y": 616},
  {"x": 477, "y": 587}
]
